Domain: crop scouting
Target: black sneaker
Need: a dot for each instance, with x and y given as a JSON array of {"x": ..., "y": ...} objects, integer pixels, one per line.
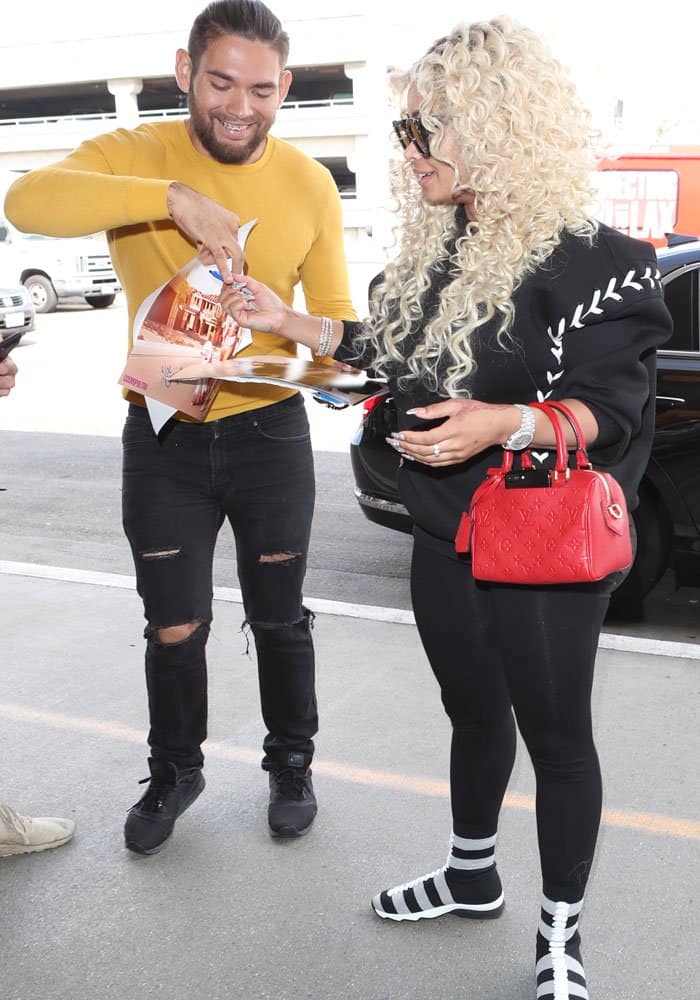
[
  {"x": 171, "y": 790},
  {"x": 292, "y": 806}
]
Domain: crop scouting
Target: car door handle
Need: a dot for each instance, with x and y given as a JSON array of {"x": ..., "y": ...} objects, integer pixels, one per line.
[{"x": 665, "y": 403}]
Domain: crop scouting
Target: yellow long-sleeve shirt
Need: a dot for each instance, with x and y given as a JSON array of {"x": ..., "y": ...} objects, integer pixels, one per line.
[{"x": 118, "y": 182}]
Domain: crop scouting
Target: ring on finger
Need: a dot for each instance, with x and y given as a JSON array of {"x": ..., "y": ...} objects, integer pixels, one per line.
[{"x": 436, "y": 450}]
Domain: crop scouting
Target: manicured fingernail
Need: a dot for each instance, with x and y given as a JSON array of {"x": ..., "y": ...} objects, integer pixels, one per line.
[{"x": 398, "y": 436}]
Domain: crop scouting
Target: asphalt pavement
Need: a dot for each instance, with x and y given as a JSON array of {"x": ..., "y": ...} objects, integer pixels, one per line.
[{"x": 226, "y": 912}]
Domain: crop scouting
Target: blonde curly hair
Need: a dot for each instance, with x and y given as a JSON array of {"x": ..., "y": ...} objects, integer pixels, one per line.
[{"x": 525, "y": 140}]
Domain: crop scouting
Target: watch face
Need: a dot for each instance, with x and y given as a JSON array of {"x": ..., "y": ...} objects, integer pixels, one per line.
[
  {"x": 521, "y": 439},
  {"x": 525, "y": 434}
]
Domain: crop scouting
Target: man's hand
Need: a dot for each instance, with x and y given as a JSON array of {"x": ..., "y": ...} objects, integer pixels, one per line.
[
  {"x": 211, "y": 226},
  {"x": 8, "y": 370}
]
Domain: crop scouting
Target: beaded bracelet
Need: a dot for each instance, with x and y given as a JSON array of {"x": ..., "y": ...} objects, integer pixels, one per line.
[{"x": 324, "y": 341}]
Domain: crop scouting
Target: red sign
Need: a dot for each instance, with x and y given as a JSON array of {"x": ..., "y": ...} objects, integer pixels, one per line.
[{"x": 641, "y": 203}]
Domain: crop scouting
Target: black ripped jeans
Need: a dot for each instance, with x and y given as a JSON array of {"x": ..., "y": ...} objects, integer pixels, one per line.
[
  {"x": 501, "y": 651},
  {"x": 256, "y": 469}
]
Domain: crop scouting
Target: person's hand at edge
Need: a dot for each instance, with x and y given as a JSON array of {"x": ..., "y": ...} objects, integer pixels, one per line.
[{"x": 8, "y": 370}]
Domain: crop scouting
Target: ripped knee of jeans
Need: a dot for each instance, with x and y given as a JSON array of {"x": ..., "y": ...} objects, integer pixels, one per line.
[
  {"x": 306, "y": 622},
  {"x": 277, "y": 558},
  {"x": 174, "y": 635},
  {"x": 167, "y": 553}
]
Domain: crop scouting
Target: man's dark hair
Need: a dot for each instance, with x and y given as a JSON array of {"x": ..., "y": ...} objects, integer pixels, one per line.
[{"x": 250, "y": 19}]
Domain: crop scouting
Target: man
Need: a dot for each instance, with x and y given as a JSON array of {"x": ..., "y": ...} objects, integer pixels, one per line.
[
  {"x": 163, "y": 191},
  {"x": 23, "y": 834}
]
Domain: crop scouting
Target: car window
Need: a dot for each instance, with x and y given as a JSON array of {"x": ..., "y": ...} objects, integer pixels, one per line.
[{"x": 681, "y": 295}]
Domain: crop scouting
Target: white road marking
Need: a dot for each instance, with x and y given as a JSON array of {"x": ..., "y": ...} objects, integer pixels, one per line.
[{"x": 367, "y": 612}]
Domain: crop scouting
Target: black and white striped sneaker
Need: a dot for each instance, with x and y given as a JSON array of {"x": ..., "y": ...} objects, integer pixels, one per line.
[
  {"x": 468, "y": 885},
  {"x": 559, "y": 969}
]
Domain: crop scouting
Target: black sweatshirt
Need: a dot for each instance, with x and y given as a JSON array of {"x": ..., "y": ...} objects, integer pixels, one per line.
[{"x": 587, "y": 324}]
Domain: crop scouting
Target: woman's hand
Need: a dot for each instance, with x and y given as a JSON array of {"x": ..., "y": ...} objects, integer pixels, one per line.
[
  {"x": 253, "y": 304},
  {"x": 471, "y": 427}
]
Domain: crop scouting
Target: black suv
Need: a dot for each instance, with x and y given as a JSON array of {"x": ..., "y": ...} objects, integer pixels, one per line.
[{"x": 668, "y": 515}]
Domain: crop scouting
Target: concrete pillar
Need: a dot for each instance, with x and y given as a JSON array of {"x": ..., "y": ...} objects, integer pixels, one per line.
[
  {"x": 126, "y": 92},
  {"x": 370, "y": 161}
]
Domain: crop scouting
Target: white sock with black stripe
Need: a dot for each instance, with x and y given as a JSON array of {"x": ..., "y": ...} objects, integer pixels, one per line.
[
  {"x": 467, "y": 854},
  {"x": 559, "y": 969},
  {"x": 468, "y": 885}
]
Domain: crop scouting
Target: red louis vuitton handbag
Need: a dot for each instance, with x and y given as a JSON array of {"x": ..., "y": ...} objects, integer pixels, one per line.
[{"x": 540, "y": 526}]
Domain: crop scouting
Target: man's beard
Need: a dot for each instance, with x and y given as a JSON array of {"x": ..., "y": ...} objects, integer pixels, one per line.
[{"x": 223, "y": 152}]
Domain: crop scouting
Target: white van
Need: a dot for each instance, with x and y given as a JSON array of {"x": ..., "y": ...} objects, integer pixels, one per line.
[{"x": 55, "y": 270}]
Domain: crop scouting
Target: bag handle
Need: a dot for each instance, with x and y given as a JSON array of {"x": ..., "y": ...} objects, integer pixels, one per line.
[
  {"x": 550, "y": 409},
  {"x": 576, "y": 427},
  {"x": 507, "y": 463}
]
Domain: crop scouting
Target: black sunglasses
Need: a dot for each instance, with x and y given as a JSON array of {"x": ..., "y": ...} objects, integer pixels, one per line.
[{"x": 412, "y": 130}]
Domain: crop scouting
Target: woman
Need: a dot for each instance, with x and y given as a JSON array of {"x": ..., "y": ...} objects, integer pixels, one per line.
[{"x": 503, "y": 292}]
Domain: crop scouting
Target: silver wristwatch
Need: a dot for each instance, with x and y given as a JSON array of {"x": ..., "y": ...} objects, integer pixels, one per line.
[{"x": 525, "y": 433}]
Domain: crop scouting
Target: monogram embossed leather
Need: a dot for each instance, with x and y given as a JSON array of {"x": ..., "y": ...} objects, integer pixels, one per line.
[{"x": 575, "y": 529}]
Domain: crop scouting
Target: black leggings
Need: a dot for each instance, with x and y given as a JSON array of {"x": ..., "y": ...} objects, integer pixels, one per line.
[{"x": 498, "y": 650}]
